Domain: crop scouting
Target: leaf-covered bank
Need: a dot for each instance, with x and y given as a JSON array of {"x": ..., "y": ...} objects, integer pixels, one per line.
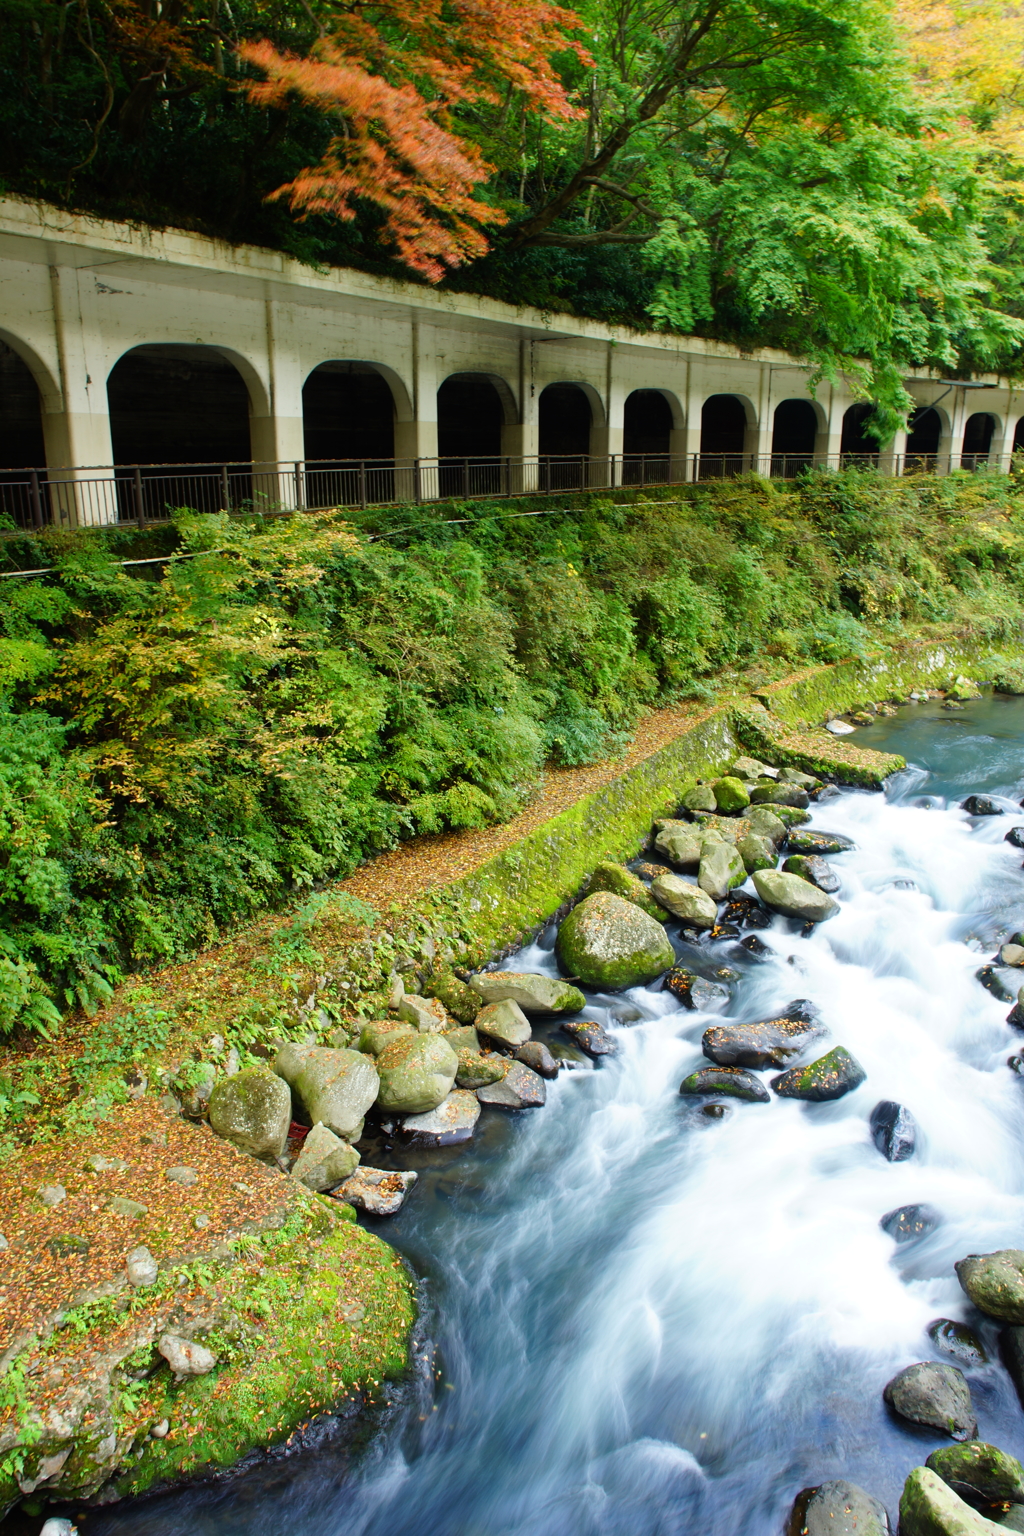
[{"x": 286, "y": 697}]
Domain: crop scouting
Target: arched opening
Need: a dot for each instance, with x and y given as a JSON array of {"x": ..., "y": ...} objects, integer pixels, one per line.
[
  {"x": 348, "y": 435},
  {"x": 1018, "y": 436},
  {"x": 182, "y": 406},
  {"x": 794, "y": 430},
  {"x": 565, "y": 421},
  {"x": 924, "y": 432},
  {"x": 723, "y": 434},
  {"x": 646, "y": 439},
  {"x": 856, "y": 446},
  {"x": 470, "y": 416},
  {"x": 21, "y": 441},
  {"x": 977, "y": 439}
]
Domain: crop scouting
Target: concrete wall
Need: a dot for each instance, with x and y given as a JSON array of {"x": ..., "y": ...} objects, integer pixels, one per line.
[{"x": 77, "y": 293}]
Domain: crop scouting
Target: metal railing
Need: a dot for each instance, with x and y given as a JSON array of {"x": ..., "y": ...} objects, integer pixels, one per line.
[{"x": 142, "y": 494}]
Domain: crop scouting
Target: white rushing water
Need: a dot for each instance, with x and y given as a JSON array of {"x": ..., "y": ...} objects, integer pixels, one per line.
[{"x": 652, "y": 1322}]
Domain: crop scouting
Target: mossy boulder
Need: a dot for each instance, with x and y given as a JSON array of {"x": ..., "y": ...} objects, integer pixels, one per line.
[
  {"x": 416, "y": 1073},
  {"x": 325, "y": 1160},
  {"x": 929, "y": 1507},
  {"x": 979, "y": 1473},
  {"x": 477, "y": 1070},
  {"x": 839, "y": 1508},
  {"x": 789, "y": 795},
  {"x": 505, "y": 1022},
  {"x": 253, "y": 1110},
  {"x": 757, "y": 852},
  {"x": 461, "y": 1001},
  {"x": 793, "y": 896},
  {"x": 732, "y": 1082},
  {"x": 685, "y": 901},
  {"x": 622, "y": 882},
  {"x": 534, "y": 993},
  {"x": 608, "y": 942},
  {"x": 730, "y": 795},
  {"x": 995, "y": 1283},
  {"x": 680, "y": 843},
  {"x": 811, "y": 867},
  {"x": 337, "y": 1088},
  {"x": 764, "y": 822},
  {"x": 721, "y": 867},
  {"x": 936, "y": 1395},
  {"x": 700, "y": 798},
  {"x": 789, "y": 815},
  {"x": 830, "y": 1077},
  {"x": 373, "y": 1037}
]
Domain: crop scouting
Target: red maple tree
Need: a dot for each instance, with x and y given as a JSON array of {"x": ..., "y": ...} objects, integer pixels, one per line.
[{"x": 396, "y": 146}]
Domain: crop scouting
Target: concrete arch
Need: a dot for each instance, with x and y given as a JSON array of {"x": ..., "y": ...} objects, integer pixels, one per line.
[
  {"x": 981, "y": 430},
  {"x": 598, "y": 410},
  {"x": 50, "y": 395},
  {"x": 173, "y": 403},
  {"x": 348, "y": 413},
  {"x": 399, "y": 391},
  {"x": 749, "y": 408},
  {"x": 501, "y": 387},
  {"x": 673, "y": 401}
]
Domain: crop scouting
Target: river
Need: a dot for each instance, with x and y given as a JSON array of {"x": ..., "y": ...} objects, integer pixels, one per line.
[{"x": 653, "y": 1323}]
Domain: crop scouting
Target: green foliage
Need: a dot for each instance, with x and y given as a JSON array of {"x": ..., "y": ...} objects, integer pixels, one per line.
[{"x": 295, "y": 696}]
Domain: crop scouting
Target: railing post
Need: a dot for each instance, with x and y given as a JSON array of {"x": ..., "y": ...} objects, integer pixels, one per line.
[
  {"x": 362, "y": 482},
  {"x": 300, "y": 500},
  {"x": 140, "y": 507},
  {"x": 417, "y": 487},
  {"x": 225, "y": 487},
  {"x": 465, "y": 479},
  {"x": 37, "y": 501}
]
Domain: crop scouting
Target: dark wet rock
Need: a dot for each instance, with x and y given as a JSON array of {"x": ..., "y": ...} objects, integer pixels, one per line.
[
  {"x": 981, "y": 1474},
  {"x": 981, "y": 805},
  {"x": 936, "y": 1395},
  {"x": 519, "y": 1089},
  {"x": 736, "y": 908},
  {"x": 992, "y": 982},
  {"x": 590, "y": 1037},
  {"x": 812, "y": 867},
  {"x": 1016, "y": 1064},
  {"x": 714, "y": 1111},
  {"x": 802, "y": 1008},
  {"x": 820, "y": 843},
  {"x": 826, "y": 793},
  {"x": 781, "y": 794},
  {"x": 768, "y": 1043},
  {"x": 535, "y": 1055},
  {"x": 837, "y": 1508},
  {"x": 995, "y": 1283},
  {"x": 1016, "y": 1013},
  {"x": 1015, "y": 836},
  {"x": 793, "y": 896},
  {"x": 729, "y": 1081},
  {"x": 753, "y": 945},
  {"x": 694, "y": 990},
  {"x": 958, "y": 1340},
  {"x": 893, "y": 1131},
  {"x": 609, "y": 942},
  {"x": 830, "y": 1077},
  {"x": 909, "y": 1222},
  {"x": 723, "y": 931},
  {"x": 1011, "y": 1351}
]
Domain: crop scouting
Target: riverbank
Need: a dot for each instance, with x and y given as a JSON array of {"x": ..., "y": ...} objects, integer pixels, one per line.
[{"x": 458, "y": 900}]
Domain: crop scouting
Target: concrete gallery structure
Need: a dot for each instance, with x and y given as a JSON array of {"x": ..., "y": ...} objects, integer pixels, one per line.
[{"x": 142, "y": 369}]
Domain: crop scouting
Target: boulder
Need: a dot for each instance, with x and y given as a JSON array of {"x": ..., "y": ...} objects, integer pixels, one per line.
[
  {"x": 893, "y": 1131},
  {"x": 461, "y": 1001},
  {"x": 700, "y": 798},
  {"x": 141, "y": 1267},
  {"x": 839, "y": 1508},
  {"x": 416, "y": 1073},
  {"x": 185, "y": 1357},
  {"x": 909, "y": 1222},
  {"x": 338, "y": 1087},
  {"x": 958, "y": 1340},
  {"x": 752, "y": 768},
  {"x": 757, "y": 852},
  {"x": 291, "y": 1058},
  {"x": 378, "y": 1191},
  {"x": 622, "y": 882},
  {"x": 995, "y": 1283},
  {"x": 929, "y": 1507},
  {"x": 680, "y": 843},
  {"x": 1012, "y": 954},
  {"x": 840, "y": 727},
  {"x": 253, "y": 1110},
  {"x": 453, "y": 1120},
  {"x": 812, "y": 867},
  {"x": 820, "y": 843},
  {"x": 477, "y": 1069},
  {"x": 791, "y": 815},
  {"x": 729, "y": 1081},
  {"x": 325, "y": 1160},
  {"x": 695, "y": 991},
  {"x": 373, "y": 1037},
  {"x": 993, "y": 982},
  {"x": 1011, "y": 1349},
  {"x": 793, "y": 897},
  {"x": 535, "y": 1055},
  {"x": 464, "y": 1039},
  {"x": 505, "y": 1022},
  {"x": 801, "y": 780},
  {"x": 519, "y": 1089},
  {"x": 764, "y": 822},
  {"x": 685, "y": 900},
  {"x": 591, "y": 1038},
  {"x": 186, "y": 1177},
  {"x": 936, "y": 1395},
  {"x": 608, "y": 942},
  {"x": 1015, "y": 836},
  {"x": 981, "y": 805},
  {"x": 730, "y": 795},
  {"x": 979, "y": 1473},
  {"x": 830, "y": 1077},
  {"x": 426, "y": 1014},
  {"x": 533, "y": 993},
  {"x": 770, "y": 1043},
  {"x": 781, "y": 794},
  {"x": 721, "y": 867}
]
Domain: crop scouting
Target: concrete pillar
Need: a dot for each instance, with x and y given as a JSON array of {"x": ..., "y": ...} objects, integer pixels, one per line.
[
  {"x": 829, "y": 443},
  {"x": 758, "y": 437},
  {"x": 78, "y": 441},
  {"x": 520, "y": 441},
  {"x": 688, "y": 439},
  {"x": 1001, "y": 450},
  {"x": 276, "y": 434},
  {"x": 416, "y": 440},
  {"x": 606, "y": 441}
]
